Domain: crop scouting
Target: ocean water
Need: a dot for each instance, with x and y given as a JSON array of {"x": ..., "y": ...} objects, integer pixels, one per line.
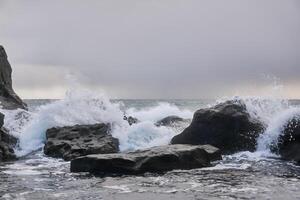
[{"x": 244, "y": 175}]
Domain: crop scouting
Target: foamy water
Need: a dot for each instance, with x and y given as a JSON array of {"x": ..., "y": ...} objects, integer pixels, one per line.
[
  {"x": 85, "y": 107},
  {"x": 245, "y": 175}
]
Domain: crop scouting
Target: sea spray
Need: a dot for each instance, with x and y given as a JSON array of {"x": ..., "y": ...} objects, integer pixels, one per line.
[
  {"x": 142, "y": 135},
  {"x": 269, "y": 139},
  {"x": 77, "y": 107},
  {"x": 86, "y": 107},
  {"x": 158, "y": 112}
]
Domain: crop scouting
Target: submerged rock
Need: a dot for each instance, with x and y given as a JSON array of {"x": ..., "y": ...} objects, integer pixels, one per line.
[
  {"x": 171, "y": 120},
  {"x": 155, "y": 159},
  {"x": 227, "y": 126},
  {"x": 7, "y": 142},
  {"x": 8, "y": 98},
  {"x": 131, "y": 120},
  {"x": 80, "y": 140},
  {"x": 289, "y": 141}
]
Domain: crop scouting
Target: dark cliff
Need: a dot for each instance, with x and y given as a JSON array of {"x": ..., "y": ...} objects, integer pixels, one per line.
[{"x": 8, "y": 98}]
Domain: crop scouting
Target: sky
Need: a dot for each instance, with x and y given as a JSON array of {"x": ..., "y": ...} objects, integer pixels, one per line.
[{"x": 153, "y": 48}]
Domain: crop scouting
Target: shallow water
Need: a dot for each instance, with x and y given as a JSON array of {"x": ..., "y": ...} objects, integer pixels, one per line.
[
  {"x": 236, "y": 177},
  {"x": 244, "y": 175}
]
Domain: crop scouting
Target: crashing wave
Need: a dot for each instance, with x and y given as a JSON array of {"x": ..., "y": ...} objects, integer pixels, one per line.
[{"x": 85, "y": 107}]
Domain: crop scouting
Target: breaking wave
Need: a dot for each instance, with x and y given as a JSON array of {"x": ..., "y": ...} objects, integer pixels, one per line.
[{"x": 85, "y": 107}]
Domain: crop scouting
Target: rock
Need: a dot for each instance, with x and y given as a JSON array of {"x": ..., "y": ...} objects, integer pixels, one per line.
[
  {"x": 171, "y": 120},
  {"x": 1, "y": 119},
  {"x": 227, "y": 126},
  {"x": 8, "y": 98},
  {"x": 289, "y": 141},
  {"x": 155, "y": 159},
  {"x": 79, "y": 140},
  {"x": 7, "y": 142},
  {"x": 131, "y": 120}
]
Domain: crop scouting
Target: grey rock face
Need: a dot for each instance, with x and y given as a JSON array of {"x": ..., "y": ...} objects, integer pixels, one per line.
[
  {"x": 155, "y": 159},
  {"x": 7, "y": 142},
  {"x": 227, "y": 126},
  {"x": 8, "y": 98},
  {"x": 79, "y": 140}
]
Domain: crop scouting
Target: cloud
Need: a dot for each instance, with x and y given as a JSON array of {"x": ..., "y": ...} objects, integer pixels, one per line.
[{"x": 144, "y": 49}]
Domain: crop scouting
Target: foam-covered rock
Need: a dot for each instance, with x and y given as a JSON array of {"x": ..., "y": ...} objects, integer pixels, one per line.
[{"x": 171, "y": 120}]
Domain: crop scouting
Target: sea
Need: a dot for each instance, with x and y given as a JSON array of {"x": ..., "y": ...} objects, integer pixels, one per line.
[{"x": 244, "y": 175}]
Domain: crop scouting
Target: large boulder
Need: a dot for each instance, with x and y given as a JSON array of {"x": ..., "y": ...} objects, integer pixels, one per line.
[
  {"x": 171, "y": 121},
  {"x": 227, "y": 126},
  {"x": 7, "y": 143},
  {"x": 73, "y": 141},
  {"x": 155, "y": 159},
  {"x": 8, "y": 98},
  {"x": 288, "y": 144}
]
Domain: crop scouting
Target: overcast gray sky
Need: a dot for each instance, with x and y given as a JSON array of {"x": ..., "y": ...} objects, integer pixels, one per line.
[{"x": 153, "y": 48}]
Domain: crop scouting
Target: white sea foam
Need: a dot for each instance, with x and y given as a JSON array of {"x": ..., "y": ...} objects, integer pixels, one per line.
[
  {"x": 275, "y": 128},
  {"x": 142, "y": 135},
  {"x": 86, "y": 107},
  {"x": 158, "y": 112}
]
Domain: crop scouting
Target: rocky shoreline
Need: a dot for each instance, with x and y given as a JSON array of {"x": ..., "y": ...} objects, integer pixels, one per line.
[{"x": 225, "y": 128}]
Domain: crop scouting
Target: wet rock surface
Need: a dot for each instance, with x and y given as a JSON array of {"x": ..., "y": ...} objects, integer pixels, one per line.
[
  {"x": 155, "y": 159},
  {"x": 80, "y": 140},
  {"x": 8, "y": 98},
  {"x": 171, "y": 120},
  {"x": 227, "y": 126},
  {"x": 289, "y": 141},
  {"x": 7, "y": 142}
]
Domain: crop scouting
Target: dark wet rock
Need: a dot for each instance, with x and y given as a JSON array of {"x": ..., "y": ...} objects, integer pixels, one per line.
[
  {"x": 289, "y": 141},
  {"x": 80, "y": 140},
  {"x": 1, "y": 119},
  {"x": 171, "y": 120},
  {"x": 7, "y": 142},
  {"x": 227, "y": 126},
  {"x": 131, "y": 120},
  {"x": 155, "y": 159},
  {"x": 8, "y": 98}
]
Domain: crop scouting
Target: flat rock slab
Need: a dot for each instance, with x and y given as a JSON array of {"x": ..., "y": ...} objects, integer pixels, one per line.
[
  {"x": 155, "y": 159},
  {"x": 74, "y": 141}
]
